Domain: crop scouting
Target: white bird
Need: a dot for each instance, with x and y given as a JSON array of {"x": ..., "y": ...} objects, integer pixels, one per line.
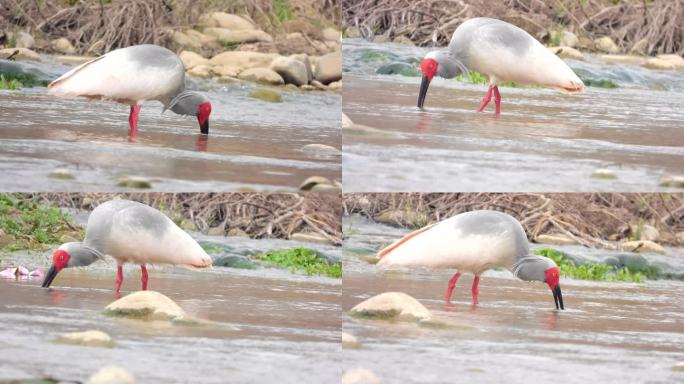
[
  {"x": 132, "y": 75},
  {"x": 130, "y": 232},
  {"x": 474, "y": 242},
  {"x": 502, "y": 52}
]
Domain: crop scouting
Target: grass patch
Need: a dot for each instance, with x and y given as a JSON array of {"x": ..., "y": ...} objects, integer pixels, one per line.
[
  {"x": 590, "y": 270},
  {"x": 604, "y": 83},
  {"x": 282, "y": 10},
  {"x": 11, "y": 84},
  {"x": 17, "y": 80},
  {"x": 478, "y": 78},
  {"x": 303, "y": 259},
  {"x": 34, "y": 226}
]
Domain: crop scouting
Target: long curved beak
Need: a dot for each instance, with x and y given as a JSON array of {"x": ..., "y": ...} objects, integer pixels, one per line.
[
  {"x": 424, "y": 84},
  {"x": 51, "y": 274},
  {"x": 204, "y": 128},
  {"x": 558, "y": 296}
]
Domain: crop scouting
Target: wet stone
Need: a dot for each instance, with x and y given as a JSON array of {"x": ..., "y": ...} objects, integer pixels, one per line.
[
  {"x": 391, "y": 306},
  {"x": 239, "y": 262},
  {"x": 146, "y": 305},
  {"x": 111, "y": 375},
  {"x": 91, "y": 338}
]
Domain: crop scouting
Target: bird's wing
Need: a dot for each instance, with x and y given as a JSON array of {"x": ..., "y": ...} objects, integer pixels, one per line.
[
  {"x": 72, "y": 72},
  {"x": 404, "y": 239}
]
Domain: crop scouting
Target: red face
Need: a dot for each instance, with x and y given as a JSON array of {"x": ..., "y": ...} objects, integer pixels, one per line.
[
  {"x": 552, "y": 277},
  {"x": 429, "y": 68},
  {"x": 203, "y": 116},
  {"x": 60, "y": 259}
]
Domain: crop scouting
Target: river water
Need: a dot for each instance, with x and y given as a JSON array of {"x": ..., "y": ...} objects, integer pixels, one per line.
[
  {"x": 543, "y": 140},
  {"x": 609, "y": 332},
  {"x": 271, "y": 325},
  {"x": 252, "y": 144}
]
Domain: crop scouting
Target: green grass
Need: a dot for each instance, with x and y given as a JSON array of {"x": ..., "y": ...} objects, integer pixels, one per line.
[
  {"x": 11, "y": 84},
  {"x": 283, "y": 11},
  {"x": 303, "y": 259},
  {"x": 478, "y": 78},
  {"x": 591, "y": 270},
  {"x": 33, "y": 226}
]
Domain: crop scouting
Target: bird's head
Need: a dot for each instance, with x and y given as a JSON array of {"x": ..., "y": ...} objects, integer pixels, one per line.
[
  {"x": 203, "y": 112},
  {"x": 68, "y": 255},
  {"x": 539, "y": 268},
  {"x": 437, "y": 63},
  {"x": 192, "y": 104}
]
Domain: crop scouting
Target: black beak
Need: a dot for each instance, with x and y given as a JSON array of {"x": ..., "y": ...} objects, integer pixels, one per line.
[
  {"x": 52, "y": 273},
  {"x": 424, "y": 84},
  {"x": 558, "y": 296},
  {"x": 204, "y": 128}
]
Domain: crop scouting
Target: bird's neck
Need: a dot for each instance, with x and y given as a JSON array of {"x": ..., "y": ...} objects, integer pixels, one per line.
[{"x": 85, "y": 255}]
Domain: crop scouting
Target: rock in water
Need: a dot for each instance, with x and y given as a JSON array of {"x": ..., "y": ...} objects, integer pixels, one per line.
[
  {"x": 643, "y": 246},
  {"x": 291, "y": 70},
  {"x": 91, "y": 338},
  {"x": 111, "y": 375},
  {"x": 146, "y": 305},
  {"x": 392, "y": 306},
  {"x": 329, "y": 68},
  {"x": 360, "y": 376},
  {"x": 349, "y": 341}
]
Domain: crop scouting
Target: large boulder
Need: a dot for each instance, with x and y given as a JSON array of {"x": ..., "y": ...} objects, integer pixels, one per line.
[
  {"x": 91, "y": 338},
  {"x": 23, "y": 40},
  {"x": 23, "y": 54},
  {"x": 261, "y": 75},
  {"x": 146, "y": 305},
  {"x": 63, "y": 45},
  {"x": 304, "y": 58},
  {"x": 329, "y": 68},
  {"x": 606, "y": 44},
  {"x": 643, "y": 246},
  {"x": 243, "y": 60},
  {"x": 191, "y": 59},
  {"x": 111, "y": 375},
  {"x": 228, "y": 36},
  {"x": 182, "y": 39},
  {"x": 392, "y": 306},
  {"x": 291, "y": 70},
  {"x": 225, "y": 20},
  {"x": 565, "y": 52}
]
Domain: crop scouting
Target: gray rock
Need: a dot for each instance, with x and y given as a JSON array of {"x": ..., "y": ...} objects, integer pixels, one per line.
[
  {"x": 239, "y": 262},
  {"x": 261, "y": 75},
  {"x": 392, "y": 306},
  {"x": 329, "y": 68},
  {"x": 291, "y": 70},
  {"x": 307, "y": 63}
]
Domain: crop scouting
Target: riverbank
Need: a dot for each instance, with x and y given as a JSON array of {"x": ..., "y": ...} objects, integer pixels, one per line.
[{"x": 633, "y": 222}]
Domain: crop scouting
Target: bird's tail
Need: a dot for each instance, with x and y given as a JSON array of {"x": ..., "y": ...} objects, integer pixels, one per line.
[{"x": 383, "y": 252}]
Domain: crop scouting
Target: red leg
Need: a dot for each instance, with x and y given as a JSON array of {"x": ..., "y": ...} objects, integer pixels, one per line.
[
  {"x": 143, "y": 269},
  {"x": 450, "y": 288},
  {"x": 497, "y": 100},
  {"x": 133, "y": 120},
  {"x": 119, "y": 278},
  {"x": 486, "y": 99},
  {"x": 476, "y": 281}
]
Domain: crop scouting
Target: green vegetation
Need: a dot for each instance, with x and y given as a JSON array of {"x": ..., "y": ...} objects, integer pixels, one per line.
[
  {"x": 478, "y": 78},
  {"x": 283, "y": 10},
  {"x": 266, "y": 95},
  {"x": 605, "y": 83},
  {"x": 11, "y": 84},
  {"x": 590, "y": 270},
  {"x": 28, "y": 225},
  {"x": 303, "y": 259}
]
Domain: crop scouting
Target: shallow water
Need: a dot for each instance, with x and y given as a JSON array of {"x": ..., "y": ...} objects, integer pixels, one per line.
[
  {"x": 543, "y": 141},
  {"x": 269, "y": 322},
  {"x": 251, "y": 143},
  {"x": 609, "y": 332}
]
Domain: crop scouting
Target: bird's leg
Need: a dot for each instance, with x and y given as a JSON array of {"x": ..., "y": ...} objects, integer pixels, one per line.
[
  {"x": 476, "y": 281},
  {"x": 497, "y": 100},
  {"x": 487, "y": 98},
  {"x": 143, "y": 278},
  {"x": 119, "y": 278},
  {"x": 133, "y": 119},
  {"x": 450, "y": 288}
]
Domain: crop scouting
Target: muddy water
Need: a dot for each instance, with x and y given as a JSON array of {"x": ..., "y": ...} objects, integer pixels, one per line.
[
  {"x": 543, "y": 141},
  {"x": 268, "y": 322},
  {"x": 609, "y": 332},
  {"x": 252, "y": 144}
]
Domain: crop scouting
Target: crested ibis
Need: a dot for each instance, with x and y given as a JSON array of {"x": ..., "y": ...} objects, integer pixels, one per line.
[
  {"x": 129, "y": 232},
  {"x": 474, "y": 242},
  {"x": 132, "y": 75},
  {"x": 502, "y": 52}
]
